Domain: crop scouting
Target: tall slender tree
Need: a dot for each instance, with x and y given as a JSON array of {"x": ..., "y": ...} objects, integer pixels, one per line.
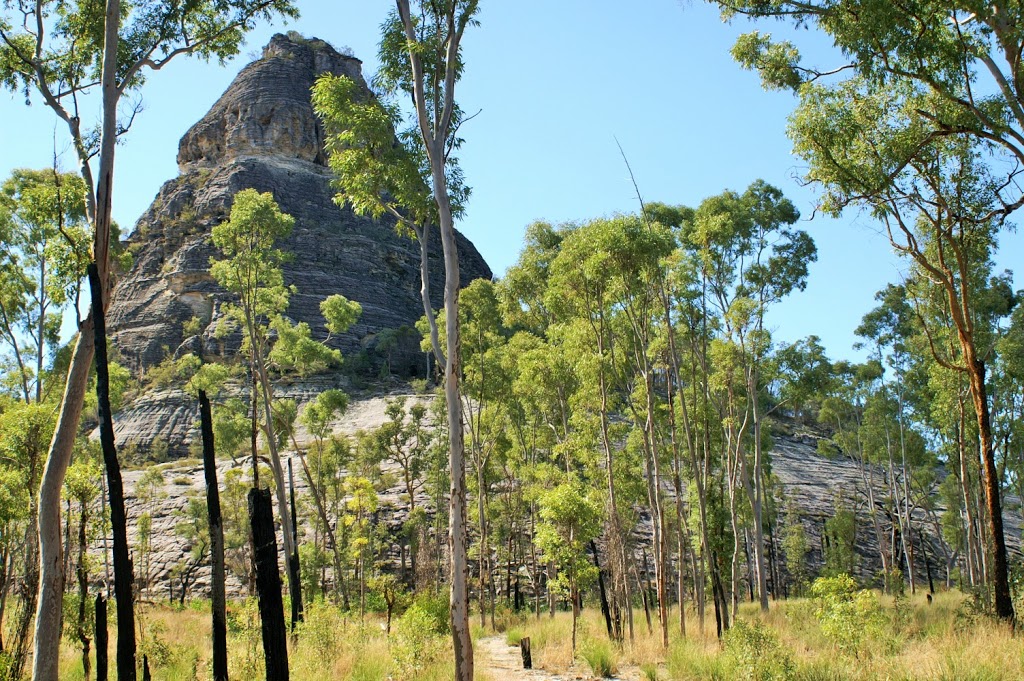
[{"x": 59, "y": 61}]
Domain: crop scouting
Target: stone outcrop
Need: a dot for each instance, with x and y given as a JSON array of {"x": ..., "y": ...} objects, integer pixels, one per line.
[
  {"x": 262, "y": 133},
  {"x": 810, "y": 481}
]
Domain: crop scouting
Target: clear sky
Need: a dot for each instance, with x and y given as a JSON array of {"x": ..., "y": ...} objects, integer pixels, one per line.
[{"x": 555, "y": 82}]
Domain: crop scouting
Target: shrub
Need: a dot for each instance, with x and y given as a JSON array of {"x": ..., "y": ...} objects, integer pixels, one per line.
[
  {"x": 416, "y": 642},
  {"x": 436, "y": 608},
  {"x": 320, "y": 627},
  {"x": 757, "y": 653},
  {"x": 847, "y": 616}
]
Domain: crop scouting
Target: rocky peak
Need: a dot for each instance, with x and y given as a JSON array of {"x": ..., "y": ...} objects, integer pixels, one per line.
[
  {"x": 266, "y": 111},
  {"x": 262, "y": 134}
]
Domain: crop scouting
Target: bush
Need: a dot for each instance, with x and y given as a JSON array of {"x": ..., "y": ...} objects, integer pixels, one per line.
[
  {"x": 757, "y": 653},
  {"x": 436, "y": 608},
  {"x": 320, "y": 627},
  {"x": 416, "y": 642},
  {"x": 513, "y": 636},
  {"x": 847, "y": 616}
]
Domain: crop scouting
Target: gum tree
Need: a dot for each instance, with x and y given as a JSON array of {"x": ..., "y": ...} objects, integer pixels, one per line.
[
  {"x": 921, "y": 120},
  {"x": 58, "y": 52},
  {"x": 421, "y": 59}
]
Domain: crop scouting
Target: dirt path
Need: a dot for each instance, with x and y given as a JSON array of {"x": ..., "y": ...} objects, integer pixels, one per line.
[{"x": 502, "y": 662}]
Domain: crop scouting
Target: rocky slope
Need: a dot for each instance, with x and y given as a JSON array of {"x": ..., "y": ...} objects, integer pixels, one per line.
[
  {"x": 812, "y": 482},
  {"x": 262, "y": 134}
]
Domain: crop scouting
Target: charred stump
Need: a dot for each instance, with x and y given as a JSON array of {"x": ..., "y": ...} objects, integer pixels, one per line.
[
  {"x": 268, "y": 584},
  {"x": 218, "y": 596}
]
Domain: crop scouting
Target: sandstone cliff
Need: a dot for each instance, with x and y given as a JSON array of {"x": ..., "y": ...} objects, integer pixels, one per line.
[
  {"x": 262, "y": 133},
  {"x": 811, "y": 481}
]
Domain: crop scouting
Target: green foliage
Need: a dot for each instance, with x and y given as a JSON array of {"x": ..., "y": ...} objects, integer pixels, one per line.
[
  {"x": 849, "y": 617},
  {"x": 339, "y": 312},
  {"x": 372, "y": 174},
  {"x": 173, "y": 372},
  {"x": 570, "y": 519},
  {"x": 252, "y": 266},
  {"x": 150, "y": 36},
  {"x": 434, "y": 608},
  {"x": 796, "y": 547},
  {"x": 599, "y": 656},
  {"x": 295, "y": 350},
  {"x": 44, "y": 253},
  {"x": 320, "y": 629},
  {"x": 192, "y": 327},
  {"x": 416, "y": 642},
  {"x": 758, "y": 654},
  {"x": 840, "y": 541},
  {"x": 244, "y": 622}
]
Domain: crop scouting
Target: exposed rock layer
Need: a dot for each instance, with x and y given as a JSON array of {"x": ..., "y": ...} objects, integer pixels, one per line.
[
  {"x": 810, "y": 481},
  {"x": 262, "y": 134}
]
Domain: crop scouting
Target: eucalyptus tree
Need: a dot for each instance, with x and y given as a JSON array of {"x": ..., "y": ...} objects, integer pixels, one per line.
[
  {"x": 421, "y": 58},
  {"x": 251, "y": 269},
  {"x": 43, "y": 249},
  {"x": 1011, "y": 383},
  {"x": 82, "y": 486},
  {"x": 24, "y": 433},
  {"x": 889, "y": 327},
  {"x": 323, "y": 476},
  {"x": 570, "y": 520},
  {"x": 486, "y": 388},
  {"x": 59, "y": 52},
  {"x": 922, "y": 122},
  {"x": 578, "y": 296},
  {"x": 634, "y": 253},
  {"x": 752, "y": 257}
]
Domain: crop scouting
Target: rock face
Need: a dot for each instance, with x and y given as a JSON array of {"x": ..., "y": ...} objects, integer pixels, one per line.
[
  {"x": 262, "y": 134},
  {"x": 807, "y": 479}
]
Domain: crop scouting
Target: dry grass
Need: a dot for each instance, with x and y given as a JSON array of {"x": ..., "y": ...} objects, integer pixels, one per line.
[{"x": 944, "y": 641}]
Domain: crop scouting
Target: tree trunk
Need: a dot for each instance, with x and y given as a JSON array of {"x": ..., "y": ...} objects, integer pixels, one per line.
[
  {"x": 268, "y": 584},
  {"x": 51, "y": 577},
  {"x": 605, "y": 611},
  {"x": 457, "y": 534},
  {"x": 123, "y": 578},
  {"x": 484, "y": 553},
  {"x": 287, "y": 526},
  {"x": 101, "y": 638},
  {"x": 218, "y": 596},
  {"x": 83, "y": 589},
  {"x": 993, "y": 503},
  {"x": 294, "y": 574},
  {"x": 51, "y": 574}
]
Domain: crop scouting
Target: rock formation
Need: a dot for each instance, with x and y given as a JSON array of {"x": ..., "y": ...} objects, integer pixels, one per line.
[
  {"x": 811, "y": 481},
  {"x": 262, "y": 133}
]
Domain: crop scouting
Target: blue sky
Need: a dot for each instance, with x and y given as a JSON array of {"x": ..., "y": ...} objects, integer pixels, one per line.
[{"x": 555, "y": 84}]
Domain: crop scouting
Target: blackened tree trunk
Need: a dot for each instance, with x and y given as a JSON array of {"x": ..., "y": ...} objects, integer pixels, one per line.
[
  {"x": 268, "y": 584},
  {"x": 83, "y": 589},
  {"x": 218, "y": 595},
  {"x": 605, "y": 610},
  {"x": 123, "y": 577},
  {"x": 101, "y": 638},
  {"x": 294, "y": 580}
]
